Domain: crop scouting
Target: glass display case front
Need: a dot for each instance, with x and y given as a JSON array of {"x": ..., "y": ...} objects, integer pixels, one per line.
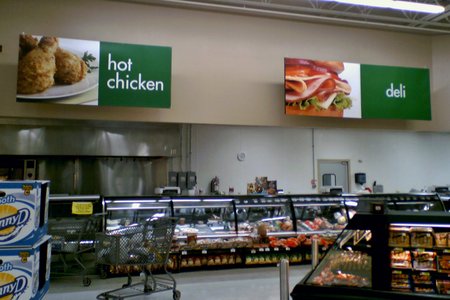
[
  {"x": 408, "y": 202},
  {"x": 321, "y": 213},
  {"x": 124, "y": 211},
  {"x": 347, "y": 263},
  {"x": 204, "y": 217},
  {"x": 265, "y": 216}
]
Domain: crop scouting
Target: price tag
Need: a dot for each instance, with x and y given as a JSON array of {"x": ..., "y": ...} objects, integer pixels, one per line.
[
  {"x": 267, "y": 249},
  {"x": 447, "y": 251},
  {"x": 261, "y": 249},
  {"x": 204, "y": 251},
  {"x": 288, "y": 249},
  {"x": 183, "y": 252},
  {"x": 232, "y": 250},
  {"x": 276, "y": 249},
  {"x": 253, "y": 251}
]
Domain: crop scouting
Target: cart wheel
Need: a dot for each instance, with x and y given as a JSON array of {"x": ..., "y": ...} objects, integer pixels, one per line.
[
  {"x": 104, "y": 272},
  {"x": 176, "y": 295},
  {"x": 86, "y": 281}
]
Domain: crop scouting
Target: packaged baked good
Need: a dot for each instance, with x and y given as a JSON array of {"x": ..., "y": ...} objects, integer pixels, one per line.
[
  {"x": 424, "y": 260},
  {"x": 441, "y": 239},
  {"x": 422, "y": 237},
  {"x": 399, "y": 237},
  {"x": 400, "y": 258},
  {"x": 400, "y": 281},
  {"x": 422, "y": 278},
  {"x": 443, "y": 287},
  {"x": 444, "y": 263},
  {"x": 424, "y": 289}
]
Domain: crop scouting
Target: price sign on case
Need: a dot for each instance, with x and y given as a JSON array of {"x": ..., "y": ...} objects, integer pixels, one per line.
[{"x": 82, "y": 208}]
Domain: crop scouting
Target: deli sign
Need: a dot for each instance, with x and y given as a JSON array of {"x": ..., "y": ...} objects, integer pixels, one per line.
[
  {"x": 349, "y": 90},
  {"x": 395, "y": 92}
]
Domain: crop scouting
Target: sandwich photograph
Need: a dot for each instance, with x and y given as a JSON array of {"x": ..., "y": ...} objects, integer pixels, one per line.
[{"x": 322, "y": 88}]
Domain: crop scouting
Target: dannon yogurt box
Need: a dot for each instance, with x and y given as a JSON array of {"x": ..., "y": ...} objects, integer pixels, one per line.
[
  {"x": 23, "y": 212},
  {"x": 25, "y": 272}
]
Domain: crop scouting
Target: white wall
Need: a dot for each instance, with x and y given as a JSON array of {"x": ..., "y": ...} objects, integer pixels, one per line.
[{"x": 400, "y": 161}]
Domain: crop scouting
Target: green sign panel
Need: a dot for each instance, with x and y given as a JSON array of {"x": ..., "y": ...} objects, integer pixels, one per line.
[
  {"x": 395, "y": 93},
  {"x": 134, "y": 75}
]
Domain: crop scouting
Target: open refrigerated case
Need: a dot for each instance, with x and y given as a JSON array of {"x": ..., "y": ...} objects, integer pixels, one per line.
[{"x": 384, "y": 254}]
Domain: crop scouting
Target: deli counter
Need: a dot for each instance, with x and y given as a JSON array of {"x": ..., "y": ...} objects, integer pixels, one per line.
[{"x": 227, "y": 231}]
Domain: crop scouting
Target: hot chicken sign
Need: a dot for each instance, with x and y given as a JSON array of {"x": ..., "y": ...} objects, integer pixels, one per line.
[
  {"x": 349, "y": 90},
  {"x": 71, "y": 71}
]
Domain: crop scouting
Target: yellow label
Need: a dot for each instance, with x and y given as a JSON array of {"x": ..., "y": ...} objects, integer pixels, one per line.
[{"x": 82, "y": 208}]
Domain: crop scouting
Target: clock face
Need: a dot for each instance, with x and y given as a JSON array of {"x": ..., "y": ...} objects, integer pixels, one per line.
[{"x": 241, "y": 156}]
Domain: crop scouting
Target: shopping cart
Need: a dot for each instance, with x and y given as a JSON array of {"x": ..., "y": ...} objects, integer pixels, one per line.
[
  {"x": 144, "y": 245},
  {"x": 72, "y": 238}
]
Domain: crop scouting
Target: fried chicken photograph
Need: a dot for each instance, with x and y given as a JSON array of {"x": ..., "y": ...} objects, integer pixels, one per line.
[
  {"x": 27, "y": 42},
  {"x": 43, "y": 64},
  {"x": 70, "y": 68},
  {"x": 38, "y": 67}
]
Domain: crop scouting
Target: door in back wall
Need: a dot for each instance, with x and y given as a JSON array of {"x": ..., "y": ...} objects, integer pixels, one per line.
[{"x": 334, "y": 172}]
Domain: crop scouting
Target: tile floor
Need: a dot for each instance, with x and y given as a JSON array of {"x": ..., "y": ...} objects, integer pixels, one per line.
[{"x": 262, "y": 283}]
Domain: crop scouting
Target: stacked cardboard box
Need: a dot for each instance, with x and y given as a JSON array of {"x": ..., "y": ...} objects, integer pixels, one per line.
[{"x": 24, "y": 246}]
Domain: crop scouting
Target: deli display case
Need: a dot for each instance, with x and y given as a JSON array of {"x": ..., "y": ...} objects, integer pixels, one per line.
[
  {"x": 206, "y": 234},
  {"x": 384, "y": 254}
]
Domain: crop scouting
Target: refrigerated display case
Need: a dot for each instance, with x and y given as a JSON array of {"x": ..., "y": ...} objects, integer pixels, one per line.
[
  {"x": 206, "y": 233},
  {"x": 384, "y": 254},
  {"x": 123, "y": 212},
  {"x": 265, "y": 216}
]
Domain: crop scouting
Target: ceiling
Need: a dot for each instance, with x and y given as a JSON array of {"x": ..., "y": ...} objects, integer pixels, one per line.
[{"x": 327, "y": 12}]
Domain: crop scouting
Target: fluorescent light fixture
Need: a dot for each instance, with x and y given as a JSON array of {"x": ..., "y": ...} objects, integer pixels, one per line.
[
  {"x": 185, "y": 200},
  {"x": 420, "y": 225},
  {"x": 396, "y": 4},
  {"x": 218, "y": 200},
  {"x": 131, "y": 201}
]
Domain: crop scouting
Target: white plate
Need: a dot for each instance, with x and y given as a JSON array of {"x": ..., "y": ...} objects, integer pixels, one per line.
[
  {"x": 90, "y": 82},
  {"x": 61, "y": 91}
]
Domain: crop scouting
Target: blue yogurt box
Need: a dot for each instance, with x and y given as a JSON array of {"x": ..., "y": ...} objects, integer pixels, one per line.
[
  {"x": 23, "y": 212},
  {"x": 25, "y": 272}
]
